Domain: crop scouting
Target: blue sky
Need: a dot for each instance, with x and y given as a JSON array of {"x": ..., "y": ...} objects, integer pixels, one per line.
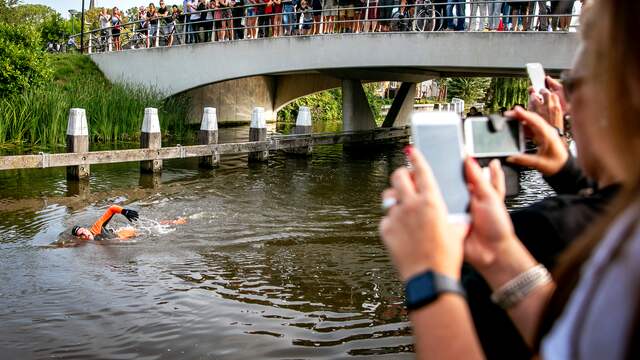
[{"x": 62, "y": 6}]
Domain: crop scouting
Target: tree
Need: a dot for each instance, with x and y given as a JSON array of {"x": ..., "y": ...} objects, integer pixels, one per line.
[
  {"x": 23, "y": 62},
  {"x": 32, "y": 14},
  {"x": 471, "y": 90},
  {"x": 5, "y": 7},
  {"x": 53, "y": 28},
  {"x": 506, "y": 92}
]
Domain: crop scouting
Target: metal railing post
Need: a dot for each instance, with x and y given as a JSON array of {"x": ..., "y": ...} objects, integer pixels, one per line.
[{"x": 157, "y": 40}]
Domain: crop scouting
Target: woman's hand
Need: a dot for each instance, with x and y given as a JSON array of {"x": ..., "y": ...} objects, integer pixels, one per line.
[
  {"x": 491, "y": 226},
  {"x": 548, "y": 106},
  {"x": 556, "y": 88},
  {"x": 552, "y": 152},
  {"x": 416, "y": 230}
]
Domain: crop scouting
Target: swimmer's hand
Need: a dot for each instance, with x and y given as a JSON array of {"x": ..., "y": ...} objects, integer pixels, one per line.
[{"x": 131, "y": 215}]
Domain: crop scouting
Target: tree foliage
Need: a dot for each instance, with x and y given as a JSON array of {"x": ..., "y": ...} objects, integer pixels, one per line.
[
  {"x": 327, "y": 105},
  {"x": 23, "y": 63},
  {"x": 48, "y": 22},
  {"x": 471, "y": 90},
  {"x": 507, "y": 92}
]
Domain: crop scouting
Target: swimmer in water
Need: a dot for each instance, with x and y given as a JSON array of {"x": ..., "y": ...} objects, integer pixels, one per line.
[{"x": 99, "y": 230}]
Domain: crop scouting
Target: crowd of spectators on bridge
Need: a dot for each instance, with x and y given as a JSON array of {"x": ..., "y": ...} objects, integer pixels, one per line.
[{"x": 196, "y": 21}]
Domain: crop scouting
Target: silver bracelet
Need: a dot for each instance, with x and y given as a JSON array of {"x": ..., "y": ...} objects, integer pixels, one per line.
[{"x": 519, "y": 287}]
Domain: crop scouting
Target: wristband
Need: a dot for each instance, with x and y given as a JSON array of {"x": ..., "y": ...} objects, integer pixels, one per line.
[
  {"x": 519, "y": 287},
  {"x": 426, "y": 287}
]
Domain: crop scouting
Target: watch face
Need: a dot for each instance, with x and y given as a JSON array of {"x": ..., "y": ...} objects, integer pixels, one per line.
[{"x": 420, "y": 290}]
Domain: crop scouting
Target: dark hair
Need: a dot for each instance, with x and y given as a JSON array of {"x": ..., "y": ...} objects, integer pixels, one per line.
[
  {"x": 473, "y": 108},
  {"x": 74, "y": 231}
]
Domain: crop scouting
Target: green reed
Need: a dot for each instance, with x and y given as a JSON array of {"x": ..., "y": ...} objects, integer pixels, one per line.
[{"x": 38, "y": 117}]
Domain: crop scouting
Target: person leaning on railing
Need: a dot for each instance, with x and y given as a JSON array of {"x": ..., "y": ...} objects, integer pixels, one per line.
[
  {"x": 173, "y": 24},
  {"x": 238, "y": 13},
  {"x": 152, "y": 28},
  {"x": 590, "y": 307},
  {"x": 116, "y": 27}
]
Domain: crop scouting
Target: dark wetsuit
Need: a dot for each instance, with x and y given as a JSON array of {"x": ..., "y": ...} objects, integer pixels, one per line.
[{"x": 546, "y": 228}]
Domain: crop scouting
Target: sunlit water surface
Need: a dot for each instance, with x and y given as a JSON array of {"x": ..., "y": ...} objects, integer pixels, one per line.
[{"x": 277, "y": 260}]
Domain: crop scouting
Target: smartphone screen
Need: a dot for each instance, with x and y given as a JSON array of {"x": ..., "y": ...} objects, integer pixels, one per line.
[
  {"x": 537, "y": 76},
  {"x": 438, "y": 136},
  {"x": 482, "y": 141}
]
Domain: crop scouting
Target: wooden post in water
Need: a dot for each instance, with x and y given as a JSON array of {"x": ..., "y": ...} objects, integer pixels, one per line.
[
  {"x": 151, "y": 138},
  {"x": 208, "y": 135},
  {"x": 303, "y": 126},
  {"x": 77, "y": 142},
  {"x": 258, "y": 132}
]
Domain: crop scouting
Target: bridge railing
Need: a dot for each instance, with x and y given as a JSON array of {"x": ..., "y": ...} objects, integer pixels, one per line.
[{"x": 292, "y": 18}]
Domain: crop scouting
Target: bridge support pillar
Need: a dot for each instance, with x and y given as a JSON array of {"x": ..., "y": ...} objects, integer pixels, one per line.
[
  {"x": 356, "y": 113},
  {"x": 303, "y": 126},
  {"x": 77, "y": 142},
  {"x": 150, "y": 138},
  {"x": 402, "y": 107},
  {"x": 208, "y": 135},
  {"x": 258, "y": 132}
]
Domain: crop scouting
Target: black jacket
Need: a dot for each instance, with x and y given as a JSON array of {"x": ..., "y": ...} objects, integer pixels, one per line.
[{"x": 546, "y": 228}]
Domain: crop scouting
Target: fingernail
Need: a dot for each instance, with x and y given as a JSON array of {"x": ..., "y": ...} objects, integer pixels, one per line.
[{"x": 407, "y": 150}]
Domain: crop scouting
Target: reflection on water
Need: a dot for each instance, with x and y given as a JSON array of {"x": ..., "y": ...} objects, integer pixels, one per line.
[{"x": 277, "y": 260}]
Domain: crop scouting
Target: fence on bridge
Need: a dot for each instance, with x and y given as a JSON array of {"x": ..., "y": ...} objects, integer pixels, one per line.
[{"x": 288, "y": 18}]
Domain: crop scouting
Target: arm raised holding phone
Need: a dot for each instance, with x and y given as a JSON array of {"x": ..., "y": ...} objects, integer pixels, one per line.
[{"x": 420, "y": 238}]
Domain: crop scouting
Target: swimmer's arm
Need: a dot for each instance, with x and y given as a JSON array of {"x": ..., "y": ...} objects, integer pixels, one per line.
[{"x": 96, "y": 229}]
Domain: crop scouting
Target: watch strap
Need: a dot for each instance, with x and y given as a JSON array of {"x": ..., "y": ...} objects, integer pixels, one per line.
[{"x": 426, "y": 287}]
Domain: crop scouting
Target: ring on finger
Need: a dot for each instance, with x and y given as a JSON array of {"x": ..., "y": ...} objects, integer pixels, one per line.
[{"x": 388, "y": 203}]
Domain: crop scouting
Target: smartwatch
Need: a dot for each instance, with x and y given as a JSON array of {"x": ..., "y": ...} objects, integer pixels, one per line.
[{"x": 426, "y": 287}]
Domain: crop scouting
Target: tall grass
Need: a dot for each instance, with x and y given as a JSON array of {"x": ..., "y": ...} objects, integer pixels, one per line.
[{"x": 38, "y": 117}]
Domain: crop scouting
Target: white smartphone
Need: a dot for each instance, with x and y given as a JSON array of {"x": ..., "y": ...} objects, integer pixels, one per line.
[
  {"x": 481, "y": 141},
  {"x": 537, "y": 76},
  {"x": 438, "y": 136}
]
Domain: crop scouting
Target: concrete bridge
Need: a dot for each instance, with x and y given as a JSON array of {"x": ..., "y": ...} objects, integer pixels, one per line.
[{"x": 235, "y": 76}]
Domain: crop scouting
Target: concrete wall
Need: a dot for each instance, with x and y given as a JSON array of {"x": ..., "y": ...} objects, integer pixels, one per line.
[{"x": 234, "y": 99}]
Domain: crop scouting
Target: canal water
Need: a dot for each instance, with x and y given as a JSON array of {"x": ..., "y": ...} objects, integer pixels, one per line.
[{"x": 277, "y": 260}]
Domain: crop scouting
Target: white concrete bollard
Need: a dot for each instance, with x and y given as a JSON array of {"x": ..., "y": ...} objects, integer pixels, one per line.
[
  {"x": 258, "y": 132},
  {"x": 150, "y": 138},
  {"x": 77, "y": 141},
  {"x": 303, "y": 126},
  {"x": 208, "y": 135}
]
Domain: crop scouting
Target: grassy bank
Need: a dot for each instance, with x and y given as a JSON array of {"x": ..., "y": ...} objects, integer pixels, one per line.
[{"x": 38, "y": 117}]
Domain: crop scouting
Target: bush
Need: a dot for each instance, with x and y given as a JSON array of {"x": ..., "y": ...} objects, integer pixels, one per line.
[{"x": 23, "y": 63}]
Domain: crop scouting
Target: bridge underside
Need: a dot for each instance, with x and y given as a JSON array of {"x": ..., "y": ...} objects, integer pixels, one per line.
[{"x": 236, "y": 76}]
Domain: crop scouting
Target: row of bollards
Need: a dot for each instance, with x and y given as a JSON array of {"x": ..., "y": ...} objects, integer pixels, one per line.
[{"x": 151, "y": 137}]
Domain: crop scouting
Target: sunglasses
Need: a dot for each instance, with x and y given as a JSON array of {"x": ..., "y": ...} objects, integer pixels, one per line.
[{"x": 570, "y": 83}]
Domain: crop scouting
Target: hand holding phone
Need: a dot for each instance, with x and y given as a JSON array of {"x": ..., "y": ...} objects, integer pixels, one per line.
[
  {"x": 438, "y": 136},
  {"x": 537, "y": 76},
  {"x": 484, "y": 141}
]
